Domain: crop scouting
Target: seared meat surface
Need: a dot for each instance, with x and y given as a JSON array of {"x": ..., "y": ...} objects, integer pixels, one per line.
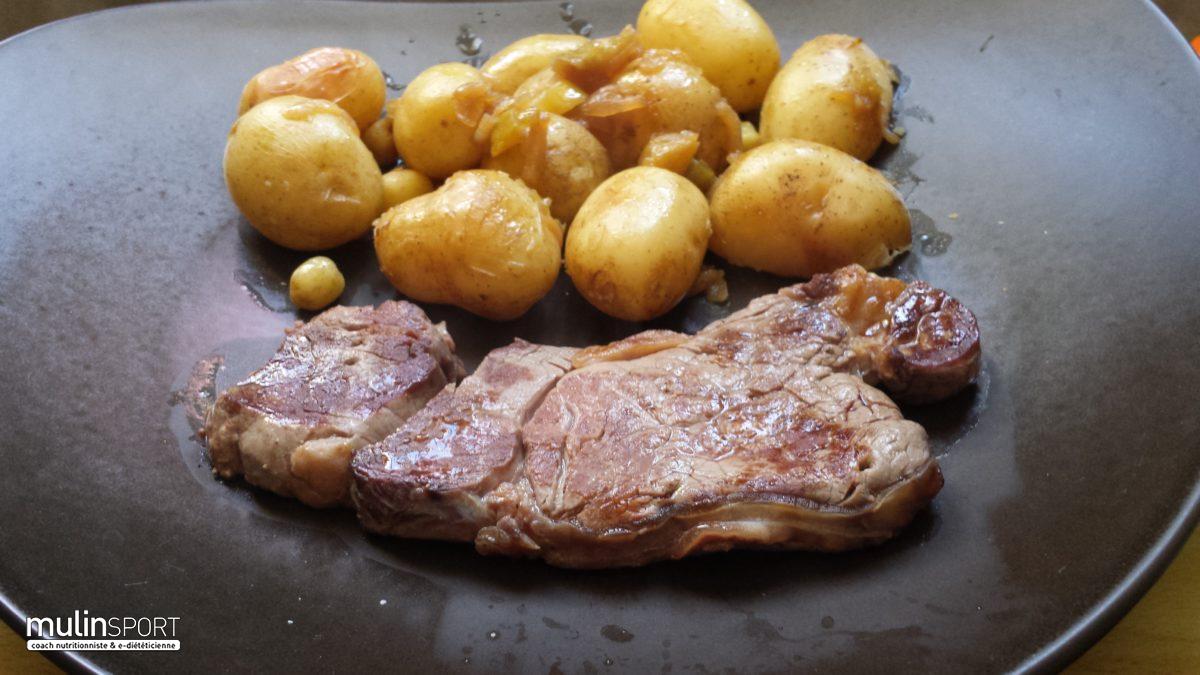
[
  {"x": 762, "y": 430},
  {"x": 430, "y": 477},
  {"x": 348, "y": 377}
]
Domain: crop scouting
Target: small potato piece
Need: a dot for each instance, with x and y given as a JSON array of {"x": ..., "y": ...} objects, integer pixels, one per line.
[
  {"x": 378, "y": 139},
  {"x": 401, "y": 185},
  {"x": 298, "y": 171},
  {"x": 636, "y": 245},
  {"x": 660, "y": 92},
  {"x": 316, "y": 284},
  {"x": 795, "y": 208},
  {"x": 347, "y": 77},
  {"x": 517, "y": 62},
  {"x": 559, "y": 159},
  {"x": 483, "y": 241},
  {"x": 750, "y": 137},
  {"x": 835, "y": 91},
  {"x": 727, "y": 39},
  {"x": 435, "y": 119}
]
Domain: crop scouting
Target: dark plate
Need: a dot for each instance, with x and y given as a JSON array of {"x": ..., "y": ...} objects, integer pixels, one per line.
[{"x": 1051, "y": 165}]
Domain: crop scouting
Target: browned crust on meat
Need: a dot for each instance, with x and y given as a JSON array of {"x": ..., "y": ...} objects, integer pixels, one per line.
[
  {"x": 349, "y": 376},
  {"x": 763, "y": 430},
  {"x": 743, "y": 520}
]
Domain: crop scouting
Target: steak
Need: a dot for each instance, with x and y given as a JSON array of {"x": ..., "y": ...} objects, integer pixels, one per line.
[
  {"x": 348, "y": 377},
  {"x": 436, "y": 470},
  {"x": 763, "y": 430}
]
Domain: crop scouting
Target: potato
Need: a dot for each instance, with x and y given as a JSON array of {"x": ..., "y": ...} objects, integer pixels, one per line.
[
  {"x": 834, "y": 90},
  {"x": 316, "y": 284},
  {"x": 347, "y": 77},
  {"x": 401, "y": 185},
  {"x": 515, "y": 116},
  {"x": 727, "y": 39},
  {"x": 660, "y": 92},
  {"x": 378, "y": 139},
  {"x": 635, "y": 247},
  {"x": 483, "y": 241},
  {"x": 435, "y": 119},
  {"x": 301, "y": 175},
  {"x": 795, "y": 208},
  {"x": 514, "y": 64},
  {"x": 560, "y": 160}
]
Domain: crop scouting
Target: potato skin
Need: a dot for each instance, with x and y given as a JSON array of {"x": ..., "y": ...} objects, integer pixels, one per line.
[
  {"x": 636, "y": 245},
  {"x": 796, "y": 208},
  {"x": 661, "y": 92},
  {"x": 560, "y": 160},
  {"x": 727, "y": 39},
  {"x": 298, "y": 171},
  {"x": 517, "y": 62},
  {"x": 348, "y": 77},
  {"x": 483, "y": 241},
  {"x": 430, "y": 133},
  {"x": 835, "y": 91}
]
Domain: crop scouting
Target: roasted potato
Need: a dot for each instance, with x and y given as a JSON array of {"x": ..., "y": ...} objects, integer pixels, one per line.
[
  {"x": 834, "y": 90},
  {"x": 379, "y": 140},
  {"x": 483, "y": 241},
  {"x": 661, "y": 92},
  {"x": 348, "y": 77},
  {"x": 401, "y": 185},
  {"x": 301, "y": 175},
  {"x": 559, "y": 159},
  {"x": 517, "y": 62},
  {"x": 515, "y": 116},
  {"x": 727, "y": 39},
  {"x": 435, "y": 120},
  {"x": 796, "y": 208},
  {"x": 635, "y": 247}
]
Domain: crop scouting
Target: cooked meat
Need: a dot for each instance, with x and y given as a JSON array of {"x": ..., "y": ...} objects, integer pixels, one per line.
[
  {"x": 763, "y": 430},
  {"x": 414, "y": 491},
  {"x": 349, "y": 377}
]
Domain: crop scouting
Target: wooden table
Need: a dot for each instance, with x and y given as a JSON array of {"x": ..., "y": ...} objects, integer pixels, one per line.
[{"x": 1160, "y": 635}]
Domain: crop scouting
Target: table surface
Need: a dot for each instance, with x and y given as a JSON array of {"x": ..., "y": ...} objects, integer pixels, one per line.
[{"x": 1161, "y": 633}]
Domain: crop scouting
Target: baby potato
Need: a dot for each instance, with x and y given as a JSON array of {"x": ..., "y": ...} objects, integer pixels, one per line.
[
  {"x": 298, "y": 171},
  {"x": 727, "y": 39},
  {"x": 514, "y": 64},
  {"x": 435, "y": 119},
  {"x": 378, "y": 139},
  {"x": 347, "y": 77},
  {"x": 660, "y": 92},
  {"x": 514, "y": 117},
  {"x": 401, "y": 185},
  {"x": 560, "y": 160},
  {"x": 796, "y": 208},
  {"x": 483, "y": 241},
  {"x": 316, "y": 284},
  {"x": 834, "y": 90},
  {"x": 635, "y": 247}
]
